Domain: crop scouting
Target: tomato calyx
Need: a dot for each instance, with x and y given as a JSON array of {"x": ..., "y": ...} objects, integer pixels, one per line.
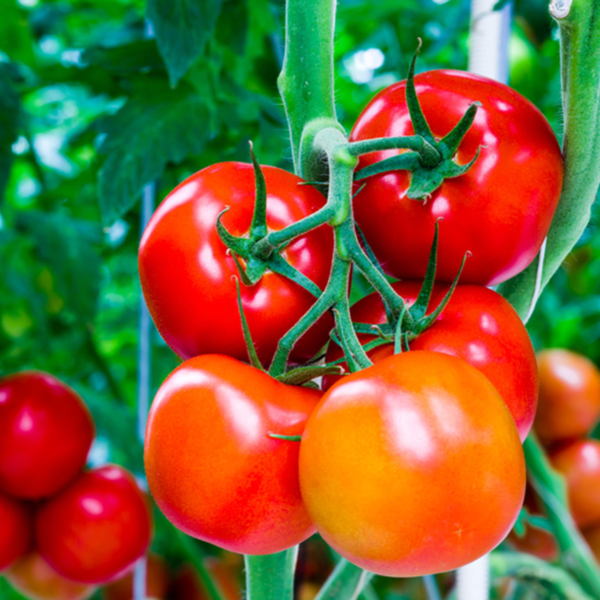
[
  {"x": 287, "y": 438},
  {"x": 433, "y": 163}
]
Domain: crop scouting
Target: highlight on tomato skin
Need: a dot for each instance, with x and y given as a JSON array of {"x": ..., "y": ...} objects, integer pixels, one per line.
[
  {"x": 38, "y": 460},
  {"x": 95, "y": 529},
  {"x": 433, "y": 476},
  {"x": 477, "y": 325},
  {"x": 16, "y": 527},
  {"x": 569, "y": 400},
  {"x": 212, "y": 468}
]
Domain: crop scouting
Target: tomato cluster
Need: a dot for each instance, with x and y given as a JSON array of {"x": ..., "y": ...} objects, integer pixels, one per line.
[
  {"x": 412, "y": 465},
  {"x": 64, "y": 529}
]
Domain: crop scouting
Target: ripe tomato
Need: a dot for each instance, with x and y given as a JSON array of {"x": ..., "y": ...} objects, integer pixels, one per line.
[
  {"x": 15, "y": 525},
  {"x": 211, "y": 465},
  {"x": 477, "y": 325},
  {"x": 189, "y": 586},
  {"x": 157, "y": 582},
  {"x": 186, "y": 270},
  {"x": 94, "y": 530},
  {"x": 506, "y": 200},
  {"x": 569, "y": 403},
  {"x": 45, "y": 434},
  {"x": 592, "y": 537},
  {"x": 579, "y": 462},
  {"x": 33, "y": 577},
  {"x": 412, "y": 466}
]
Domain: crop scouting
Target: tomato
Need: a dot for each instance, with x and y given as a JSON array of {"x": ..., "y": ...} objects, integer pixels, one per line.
[
  {"x": 412, "y": 466},
  {"x": 579, "y": 462},
  {"x": 186, "y": 270},
  {"x": 94, "y": 530},
  {"x": 33, "y": 577},
  {"x": 479, "y": 326},
  {"x": 45, "y": 434},
  {"x": 569, "y": 403},
  {"x": 15, "y": 525},
  {"x": 592, "y": 537},
  {"x": 189, "y": 586},
  {"x": 157, "y": 582},
  {"x": 505, "y": 201},
  {"x": 211, "y": 465}
]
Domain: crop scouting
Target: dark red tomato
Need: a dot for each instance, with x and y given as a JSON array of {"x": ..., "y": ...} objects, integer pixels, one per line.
[
  {"x": 33, "y": 577},
  {"x": 157, "y": 582},
  {"x": 94, "y": 530},
  {"x": 189, "y": 586},
  {"x": 211, "y": 465},
  {"x": 412, "y": 466},
  {"x": 500, "y": 210},
  {"x": 479, "y": 326},
  {"x": 186, "y": 271},
  {"x": 569, "y": 404},
  {"x": 579, "y": 462},
  {"x": 592, "y": 537},
  {"x": 15, "y": 525},
  {"x": 45, "y": 434}
]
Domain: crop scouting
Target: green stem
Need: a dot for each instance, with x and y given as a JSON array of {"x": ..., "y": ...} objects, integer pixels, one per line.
[
  {"x": 348, "y": 334},
  {"x": 346, "y": 581},
  {"x": 271, "y": 577},
  {"x": 580, "y": 67}
]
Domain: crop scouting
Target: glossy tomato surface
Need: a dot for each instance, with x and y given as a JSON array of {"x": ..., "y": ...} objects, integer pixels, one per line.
[
  {"x": 15, "y": 528},
  {"x": 479, "y": 326},
  {"x": 157, "y": 582},
  {"x": 569, "y": 405},
  {"x": 33, "y": 577},
  {"x": 211, "y": 465},
  {"x": 412, "y": 466},
  {"x": 579, "y": 462},
  {"x": 500, "y": 210},
  {"x": 45, "y": 434},
  {"x": 96, "y": 528},
  {"x": 187, "y": 273}
]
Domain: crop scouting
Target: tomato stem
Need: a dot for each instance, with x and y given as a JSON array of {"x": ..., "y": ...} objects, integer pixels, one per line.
[{"x": 271, "y": 576}]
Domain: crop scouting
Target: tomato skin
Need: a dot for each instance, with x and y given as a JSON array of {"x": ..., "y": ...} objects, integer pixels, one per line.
[
  {"x": 33, "y": 577},
  {"x": 479, "y": 326},
  {"x": 186, "y": 273},
  {"x": 157, "y": 582},
  {"x": 211, "y": 466},
  {"x": 579, "y": 462},
  {"x": 16, "y": 528},
  {"x": 405, "y": 471},
  {"x": 506, "y": 200},
  {"x": 96, "y": 528},
  {"x": 45, "y": 434},
  {"x": 569, "y": 403}
]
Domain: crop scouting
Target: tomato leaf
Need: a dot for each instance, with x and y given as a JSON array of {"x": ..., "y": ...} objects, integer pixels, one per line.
[
  {"x": 182, "y": 28},
  {"x": 10, "y": 112}
]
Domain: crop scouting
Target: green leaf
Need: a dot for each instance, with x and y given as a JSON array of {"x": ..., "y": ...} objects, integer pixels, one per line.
[
  {"x": 10, "y": 113},
  {"x": 153, "y": 128},
  {"x": 127, "y": 58},
  {"x": 232, "y": 26},
  {"x": 182, "y": 28}
]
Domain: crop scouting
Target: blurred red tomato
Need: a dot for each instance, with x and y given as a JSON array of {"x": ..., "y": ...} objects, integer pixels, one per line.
[
  {"x": 592, "y": 537},
  {"x": 45, "y": 434},
  {"x": 157, "y": 582},
  {"x": 96, "y": 528},
  {"x": 188, "y": 584},
  {"x": 15, "y": 528}
]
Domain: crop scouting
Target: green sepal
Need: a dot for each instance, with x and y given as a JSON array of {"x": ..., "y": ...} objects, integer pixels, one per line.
[
  {"x": 407, "y": 161},
  {"x": 366, "y": 347},
  {"x": 419, "y": 309},
  {"x": 255, "y": 269},
  {"x": 242, "y": 272},
  {"x": 540, "y": 522},
  {"x": 520, "y": 524},
  {"x": 254, "y": 360},
  {"x": 400, "y": 334},
  {"x": 258, "y": 228},
  {"x": 420, "y": 125},
  {"x": 289, "y": 438},
  {"x": 340, "y": 340},
  {"x": 301, "y": 375},
  {"x": 278, "y": 264},
  {"x": 241, "y": 246},
  {"x": 449, "y": 144}
]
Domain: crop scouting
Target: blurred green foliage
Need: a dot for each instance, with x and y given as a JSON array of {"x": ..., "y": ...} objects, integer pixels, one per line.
[{"x": 100, "y": 98}]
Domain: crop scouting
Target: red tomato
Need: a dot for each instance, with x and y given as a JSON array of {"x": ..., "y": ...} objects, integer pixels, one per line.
[
  {"x": 412, "y": 466},
  {"x": 15, "y": 525},
  {"x": 157, "y": 582},
  {"x": 45, "y": 434},
  {"x": 569, "y": 404},
  {"x": 579, "y": 462},
  {"x": 592, "y": 537},
  {"x": 33, "y": 577},
  {"x": 500, "y": 210},
  {"x": 96, "y": 528},
  {"x": 479, "y": 326},
  {"x": 186, "y": 272},
  {"x": 211, "y": 465},
  {"x": 189, "y": 586}
]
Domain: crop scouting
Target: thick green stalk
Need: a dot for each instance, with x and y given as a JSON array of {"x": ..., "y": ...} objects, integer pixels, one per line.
[
  {"x": 580, "y": 67},
  {"x": 271, "y": 577},
  {"x": 346, "y": 581}
]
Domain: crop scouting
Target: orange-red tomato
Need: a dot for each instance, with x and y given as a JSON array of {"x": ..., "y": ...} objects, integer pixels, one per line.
[
  {"x": 157, "y": 582},
  {"x": 579, "y": 462},
  {"x": 211, "y": 465},
  {"x": 412, "y": 466},
  {"x": 477, "y": 325},
  {"x": 33, "y": 577},
  {"x": 569, "y": 400},
  {"x": 15, "y": 528}
]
